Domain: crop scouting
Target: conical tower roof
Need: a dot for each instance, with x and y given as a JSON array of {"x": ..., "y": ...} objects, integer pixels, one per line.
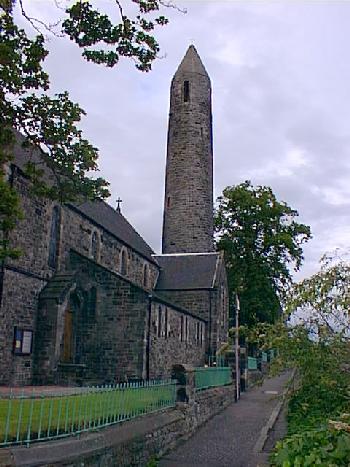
[{"x": 191, "y": 63}]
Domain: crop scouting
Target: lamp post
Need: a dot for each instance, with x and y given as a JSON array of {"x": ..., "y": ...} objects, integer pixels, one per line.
[{"x": 237, "y": 347}]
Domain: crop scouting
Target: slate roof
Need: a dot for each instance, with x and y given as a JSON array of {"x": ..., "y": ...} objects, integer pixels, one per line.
[
  {"x": 187, "y": 271},
  {"x": 114, "y": 222},
  {"x": 98, "y": 211}
]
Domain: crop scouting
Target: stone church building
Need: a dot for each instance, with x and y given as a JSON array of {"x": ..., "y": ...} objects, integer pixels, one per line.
[{"x": 88, "y": 301}]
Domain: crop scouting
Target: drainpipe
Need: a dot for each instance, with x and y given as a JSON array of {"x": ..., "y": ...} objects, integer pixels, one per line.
[
  {"x": 237, "y": 348},
  {"x": 2, "y": 275},
  {"x": 148, "y": 341},
  {"x": 209, "y": 324}
]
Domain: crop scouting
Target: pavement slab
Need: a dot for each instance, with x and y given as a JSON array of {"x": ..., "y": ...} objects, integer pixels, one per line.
[{"x": 229, "y": 439}]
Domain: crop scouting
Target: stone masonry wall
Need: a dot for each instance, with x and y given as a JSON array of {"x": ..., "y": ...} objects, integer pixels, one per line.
[
  {"x": 169, "y": 346},
  {"x": 188, "y": 203},
  {"x": 32, "y": 237},
  {"x": 22, "y": 288},
  {"x": 18, "y": 309},
  {"x": 198, "y": 301},
  {"x": 220, "y": 309},
  {"x": 131, "y": 444},
  {"x": 77, "y": 233},
  {"x": 113, "y": 340}
]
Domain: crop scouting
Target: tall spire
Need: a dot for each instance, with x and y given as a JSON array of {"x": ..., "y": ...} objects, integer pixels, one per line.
[
  {"x": 188, "y": 206},
  {"x": 191, "y": 63}
]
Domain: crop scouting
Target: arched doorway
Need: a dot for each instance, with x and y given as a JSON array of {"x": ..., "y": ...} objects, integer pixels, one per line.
[{"x": 68, "y": 345}]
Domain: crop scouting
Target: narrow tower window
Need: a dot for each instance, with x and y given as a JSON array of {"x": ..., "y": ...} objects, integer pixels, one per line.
[
  {"x": 94, "y": 246},
  {"x": 186, "y": 91},
  {"x": 123, "y": 263},
  {"x": 160, "y": 322},
  {"x": 54, "y": 237}
]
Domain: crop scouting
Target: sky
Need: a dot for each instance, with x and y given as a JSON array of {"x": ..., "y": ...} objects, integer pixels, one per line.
[{"x": 280, "y": 73}]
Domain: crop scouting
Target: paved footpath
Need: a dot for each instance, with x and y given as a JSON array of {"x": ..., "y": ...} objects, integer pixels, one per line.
[{"x": 231, "y": 438}]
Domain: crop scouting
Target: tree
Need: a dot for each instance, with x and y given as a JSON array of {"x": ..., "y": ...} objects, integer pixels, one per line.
[
  {"x": 51, "y": 124},
  {"x": 261, "y": 239},
  {"x": 313, "y": 337},
  {"x": 322, "y": 302}
]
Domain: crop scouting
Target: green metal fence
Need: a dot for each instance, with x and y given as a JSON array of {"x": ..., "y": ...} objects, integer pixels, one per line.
[
  {"x": 210, "y": 377},
  {"x": 252, "y": 363},
  {"x": 25, "y": 419}
]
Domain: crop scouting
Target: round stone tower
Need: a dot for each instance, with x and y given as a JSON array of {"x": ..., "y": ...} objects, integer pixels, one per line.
[{"x": 188, "y": 204}]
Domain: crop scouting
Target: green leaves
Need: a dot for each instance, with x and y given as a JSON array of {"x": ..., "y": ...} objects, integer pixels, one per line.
[
  {"x": 318, "y": 348},
  {"x": 322, "y": 447},
  {"x": 20, "y": 59},
  {"x": 326, "y": 293},
  {"x": 261, "y": 239},
  {"x": 63, "y": 160},
  {"x": 131, "y": 38}
]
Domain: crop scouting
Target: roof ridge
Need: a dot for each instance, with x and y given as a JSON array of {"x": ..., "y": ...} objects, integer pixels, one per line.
[
  {"x": 130, "y": 225},
  {"x": 188, "y": 254}
]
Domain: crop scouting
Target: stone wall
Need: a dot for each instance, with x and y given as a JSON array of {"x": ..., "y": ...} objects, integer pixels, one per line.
[
  {"x": 76, "y": 234},
  {"x": 198, "y": 301},
  {"x": 122, "y": 332},
  {"x": 175, "y": 337},
  {"x": 19, "y": 307},
  {"x": 188, "y": 204},
  {"x": 110, "y": 331},
  {"x": 220, "y": 309},
  {"x": 32, "y": 237},
  {"x": 25, "y": 277},
  {"x": 131, "y": 444}
]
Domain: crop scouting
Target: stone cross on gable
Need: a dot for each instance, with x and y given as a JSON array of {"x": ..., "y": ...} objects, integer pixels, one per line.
[{"x": 119, "y": 201}]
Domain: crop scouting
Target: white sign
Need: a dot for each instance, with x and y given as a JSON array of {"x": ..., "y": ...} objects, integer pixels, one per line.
[{"x": 27, "y": 341}]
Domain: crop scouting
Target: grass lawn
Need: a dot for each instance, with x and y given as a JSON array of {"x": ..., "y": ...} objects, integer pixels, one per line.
[{"x": 25, "y": 419}]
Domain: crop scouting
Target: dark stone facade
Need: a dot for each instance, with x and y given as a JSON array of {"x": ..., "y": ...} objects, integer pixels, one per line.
[
  {"x": 210, "y": 302},
  {"x": 188, "y": 205},
  {"x": 81, "y": 305}
]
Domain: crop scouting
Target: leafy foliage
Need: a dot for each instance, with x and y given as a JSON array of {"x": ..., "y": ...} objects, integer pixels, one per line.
[
  {"x": 261, "y": 239},
  {"x": 316, "y": 343},
  {"x": 132, "y": 37},
  {"x": 324, "y": 299},
  {"x": 323, "y": 447},
  {"x": 48, "y": 123},
  {"x": 64, "y": 160}
]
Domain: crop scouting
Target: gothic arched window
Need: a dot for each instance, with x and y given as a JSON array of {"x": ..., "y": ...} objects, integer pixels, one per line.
[
  {"x": 94, "y": 245},
  {"x": 160, "y": 322},
  {"x": 124, "y": 263},
  {"x": 54, "y": 237}
]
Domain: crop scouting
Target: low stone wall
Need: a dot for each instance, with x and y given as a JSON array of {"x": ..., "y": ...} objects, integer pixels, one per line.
[
  {"x": 131, "y": 443},
  {"x": 254, "y": 377}
]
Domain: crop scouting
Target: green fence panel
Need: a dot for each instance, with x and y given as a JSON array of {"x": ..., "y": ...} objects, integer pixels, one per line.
[
  {"x": 217, "y": 360},
  {"x": 264, "y": 356},
  {"x": 26, "y": 418},
  {"x": 252, "y": 363},
  {"x": 211, "y": 377}
]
